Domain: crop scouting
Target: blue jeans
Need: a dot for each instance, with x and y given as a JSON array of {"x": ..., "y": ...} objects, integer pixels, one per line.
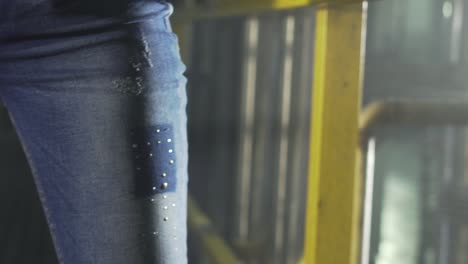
[{"x": 96, "y": 91}]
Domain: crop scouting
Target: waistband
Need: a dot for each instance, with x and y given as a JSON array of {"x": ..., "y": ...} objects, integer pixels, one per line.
[{"x": 33, "y": 18}]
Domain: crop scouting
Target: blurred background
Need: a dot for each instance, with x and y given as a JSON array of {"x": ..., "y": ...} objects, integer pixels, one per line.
[{"x": 250, "y": 105}]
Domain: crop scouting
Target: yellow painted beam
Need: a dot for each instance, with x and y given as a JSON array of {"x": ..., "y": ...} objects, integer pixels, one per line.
[
  {"x": 211, "y": 242},
  {"x": 271, "y": 4},
  {"x": 223, "y": 8},
  {"x": 334, "y": 192},
  {"x": 261, "y": 4}
]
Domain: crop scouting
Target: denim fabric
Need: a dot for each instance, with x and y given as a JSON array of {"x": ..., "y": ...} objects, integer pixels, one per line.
[{"x": 96, "y": 91}]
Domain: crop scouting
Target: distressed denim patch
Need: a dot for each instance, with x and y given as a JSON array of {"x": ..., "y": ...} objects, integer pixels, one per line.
[{"x": 154, "y": 160}]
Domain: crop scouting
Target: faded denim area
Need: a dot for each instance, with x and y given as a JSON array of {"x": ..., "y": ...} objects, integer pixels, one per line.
[{"x": 80, "y": 79}]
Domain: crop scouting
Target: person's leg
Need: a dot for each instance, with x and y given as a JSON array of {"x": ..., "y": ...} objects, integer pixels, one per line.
[{"x": 98, "y": 99}]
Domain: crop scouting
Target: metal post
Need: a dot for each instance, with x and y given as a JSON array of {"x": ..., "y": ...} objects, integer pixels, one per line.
[{"x": 334, "y": 194}]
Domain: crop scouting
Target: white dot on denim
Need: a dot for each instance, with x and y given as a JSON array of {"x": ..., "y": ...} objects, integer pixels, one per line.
[
  {"x": 173, "y": 205},
  {"x": 149, "y": 143},
  {"x": 164, "y": 174},
  {"x": 164, "y": 185},
  {"x": 165, "y": 208},
  {"x": 169, "y": 140},
  {"x": 158, "y": 130},
  {"x": 151, "y": 154},
  {"x": 170, "y": 150},
  {"x": 159, "y": 141},
  {"x": 155, "y": 233},
  {"x": 164, "y": 196},
  {"x": 152, "y": 199},
  {"x": 171, "y": 161},
  {"x": 154, "y": 188}
]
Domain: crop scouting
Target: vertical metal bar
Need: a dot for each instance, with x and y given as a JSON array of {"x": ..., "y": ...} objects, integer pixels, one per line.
[
  {"x": 465, "y": 159},
  {"x": 456, "y": 34},
  {"x": 247, "y": 124},
  {"x": 428, "y": 197},
  {"x": 447, "y": 180},
  {"x": 262, "y": 134},
  {"x": 368, "y": 202},
  {"x": 334, "y": 186},
  {"x": 224, "y": 39},
  {"x": 280, "y": 214},
  {"x": 300, "y": 118},
  {"x": 265, "y": 148}
]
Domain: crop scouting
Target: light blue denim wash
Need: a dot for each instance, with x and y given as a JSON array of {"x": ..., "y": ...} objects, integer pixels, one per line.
[{"x": 96, "y": 91}]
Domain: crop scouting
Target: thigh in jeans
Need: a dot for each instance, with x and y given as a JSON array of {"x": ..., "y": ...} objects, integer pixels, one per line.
[{"x": 98, "y": 101}]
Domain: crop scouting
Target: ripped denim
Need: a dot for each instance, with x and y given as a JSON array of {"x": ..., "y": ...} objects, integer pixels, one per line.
[{"x": 97, "y": 95}]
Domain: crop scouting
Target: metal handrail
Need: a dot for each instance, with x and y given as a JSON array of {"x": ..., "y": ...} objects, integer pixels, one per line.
[
  {"x": 213, "y": 244},
  {"x": 414, "y": 113},
  {"x": 243, "y": 8}
]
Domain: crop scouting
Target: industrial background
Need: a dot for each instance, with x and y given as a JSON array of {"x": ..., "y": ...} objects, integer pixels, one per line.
[{"x": 321, "y": 133}]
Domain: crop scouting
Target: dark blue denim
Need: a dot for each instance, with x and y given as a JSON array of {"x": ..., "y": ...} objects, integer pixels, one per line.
[{"x": 96, "y": 91}]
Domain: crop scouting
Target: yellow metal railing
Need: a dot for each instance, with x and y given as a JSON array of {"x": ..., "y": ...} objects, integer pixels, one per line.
[
  {"x": 414, "y": 113},
  {"x": 222, "y": 8},
  {"x": 249, "y": 5},
  {"x": 334, "y": 192},
  {"x": 212, "y": 243}
]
